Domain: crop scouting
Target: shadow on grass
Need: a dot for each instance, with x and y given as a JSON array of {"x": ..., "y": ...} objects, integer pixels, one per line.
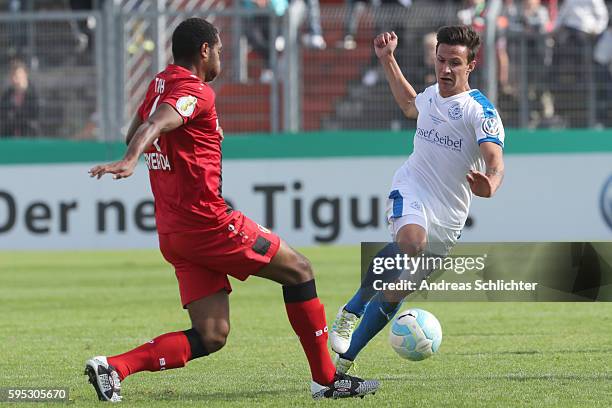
[{"x": 229, "y": 396}]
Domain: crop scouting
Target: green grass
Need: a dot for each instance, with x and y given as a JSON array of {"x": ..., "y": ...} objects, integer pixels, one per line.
[{"x": 58, "y": 309}]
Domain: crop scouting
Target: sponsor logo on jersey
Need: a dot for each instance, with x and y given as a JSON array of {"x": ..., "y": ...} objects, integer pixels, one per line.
[
  {"x": 416, "y": 205},
  {"x": 185, "y": 105},
  {"x": 157, "y": 161},
  {"x": 455, "y": 111},
  {"x": 434, "y": 137},
  {"x": 605, "y": 202},
  {"x": 490, "y": 127}
]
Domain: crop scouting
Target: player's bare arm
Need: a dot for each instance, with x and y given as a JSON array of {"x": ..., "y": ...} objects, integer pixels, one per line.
[
  {"x": 136, "y": 122},
  {"x": 163, "y": 120},
  {"x": 486, "y": 184},
  {"x": 403, "y": 92}
]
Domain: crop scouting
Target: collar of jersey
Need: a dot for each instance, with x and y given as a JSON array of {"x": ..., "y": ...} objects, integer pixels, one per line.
[{"x": 450, "y": 98}]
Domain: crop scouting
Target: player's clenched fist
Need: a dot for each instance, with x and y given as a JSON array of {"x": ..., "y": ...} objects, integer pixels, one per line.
[{"x": 385, "y": 43}]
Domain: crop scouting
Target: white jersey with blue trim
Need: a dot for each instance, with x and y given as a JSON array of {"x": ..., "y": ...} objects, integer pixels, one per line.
[{"x": 446, "y": 146}]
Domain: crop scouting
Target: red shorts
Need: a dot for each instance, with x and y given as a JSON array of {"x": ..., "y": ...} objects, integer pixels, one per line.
[{"x": 202, "y": 259}]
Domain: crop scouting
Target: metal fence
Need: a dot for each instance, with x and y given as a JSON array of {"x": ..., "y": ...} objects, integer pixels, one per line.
[{"x": 88, "y": 71}]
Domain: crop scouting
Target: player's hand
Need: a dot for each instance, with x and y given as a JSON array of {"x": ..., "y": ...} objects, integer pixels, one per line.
[
  {"x": 480, "y": 184},
  {"x": 120, "y": 169},
  {"x": 385, "y": 44}
]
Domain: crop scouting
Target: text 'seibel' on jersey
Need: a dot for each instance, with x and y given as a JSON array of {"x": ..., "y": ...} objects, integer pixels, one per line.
[{"x": 446, "y": 146}]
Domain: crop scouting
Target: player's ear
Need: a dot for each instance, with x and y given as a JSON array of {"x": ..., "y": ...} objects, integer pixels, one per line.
[
  {"x": 471, "y": 66},
  {"x": 205, "y": 51}
]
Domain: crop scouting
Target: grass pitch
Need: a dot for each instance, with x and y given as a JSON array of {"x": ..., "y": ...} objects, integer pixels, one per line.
[{"x": 58, "y": 309}]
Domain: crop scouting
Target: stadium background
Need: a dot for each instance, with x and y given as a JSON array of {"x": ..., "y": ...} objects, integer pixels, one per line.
[
  {"x": 313, "y": 130},
  {"x": 312, "y": 137}
]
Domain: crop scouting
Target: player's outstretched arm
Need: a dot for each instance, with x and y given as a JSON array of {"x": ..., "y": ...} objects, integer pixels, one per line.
[
  {"x": 486, "y": 184},
  {"x": 403, "y": 92},
  {"x": 136, "y": 122},
  {"x": 163, "y": 120}
]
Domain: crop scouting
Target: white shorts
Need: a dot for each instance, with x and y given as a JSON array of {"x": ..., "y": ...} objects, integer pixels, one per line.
[{"x": 404, "y": 207}]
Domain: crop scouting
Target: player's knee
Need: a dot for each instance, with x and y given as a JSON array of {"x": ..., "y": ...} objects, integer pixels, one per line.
[
  {"x": 301, "y": 270},
  {"x": 411, "y": 246},
  {"x": 215, "y": 341},
  {"x": 214, "y": 336}
]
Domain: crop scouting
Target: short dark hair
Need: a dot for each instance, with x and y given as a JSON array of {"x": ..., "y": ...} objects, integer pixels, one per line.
[
  {"x": 460, "y": 35},
  {"x": 189, "y": 36}
]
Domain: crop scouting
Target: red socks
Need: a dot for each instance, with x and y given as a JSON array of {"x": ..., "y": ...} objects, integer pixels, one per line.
[
  {"x": 170, "y": 350},
  {"x": 173, "y": 350},
  {"x": 307, "y": 317}
]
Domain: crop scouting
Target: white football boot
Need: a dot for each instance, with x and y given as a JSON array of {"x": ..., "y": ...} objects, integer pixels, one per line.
[{"x": 342, "y": 331}]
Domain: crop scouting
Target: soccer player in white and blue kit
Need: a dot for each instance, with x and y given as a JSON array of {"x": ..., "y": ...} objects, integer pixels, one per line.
[{"x": 457, "y": 153}]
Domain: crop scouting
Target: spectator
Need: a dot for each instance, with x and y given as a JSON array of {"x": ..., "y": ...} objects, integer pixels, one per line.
[
  {"x": 528, "y": 24},
  {"x": 603, "y": 56},
  {"x": 258, "y": 32},
  {"x": 531, "y": 17},
  {"x": 314, "y": 38},
  {"x": 474, "y": 14},
  {"x": 589, "y": 18},
  {"x": 388, "y": 15},
  {"x": 430, "y": 42},
  {"x": 19, "y": 105},
  {"x": 579, "y": 25},
  {"x": 355, "y": 9}
]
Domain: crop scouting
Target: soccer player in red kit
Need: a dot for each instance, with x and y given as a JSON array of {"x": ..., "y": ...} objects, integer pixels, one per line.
[{"x": 178, "y": 131}]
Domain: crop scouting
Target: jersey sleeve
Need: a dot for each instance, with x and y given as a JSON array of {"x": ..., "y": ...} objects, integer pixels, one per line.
[
  {"x": 190, "y": 100},
  {"x": 486, "y": 123},
  {"x": 420, "y": 98}
]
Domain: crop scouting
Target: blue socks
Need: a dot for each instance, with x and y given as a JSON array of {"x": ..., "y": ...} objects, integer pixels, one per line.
[
  {"x": 377, "y": 314},
  {"x": 357, "y": 304},
  {"x": 371, "y": 304}
]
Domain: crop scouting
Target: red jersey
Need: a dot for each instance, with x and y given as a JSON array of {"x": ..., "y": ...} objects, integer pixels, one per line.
[{"x": 185, "y": 163}]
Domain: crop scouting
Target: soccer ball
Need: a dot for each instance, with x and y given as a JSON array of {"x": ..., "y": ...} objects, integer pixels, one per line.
[{"x": 415, "y": 334}]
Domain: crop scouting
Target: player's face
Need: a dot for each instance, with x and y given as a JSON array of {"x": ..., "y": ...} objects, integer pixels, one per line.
[
  {"x": 453, "y": 69},
  {"x": 214, "y": 61}
]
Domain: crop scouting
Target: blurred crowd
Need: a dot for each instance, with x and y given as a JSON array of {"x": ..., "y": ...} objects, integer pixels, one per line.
[{"x": 551, "y": 55}]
